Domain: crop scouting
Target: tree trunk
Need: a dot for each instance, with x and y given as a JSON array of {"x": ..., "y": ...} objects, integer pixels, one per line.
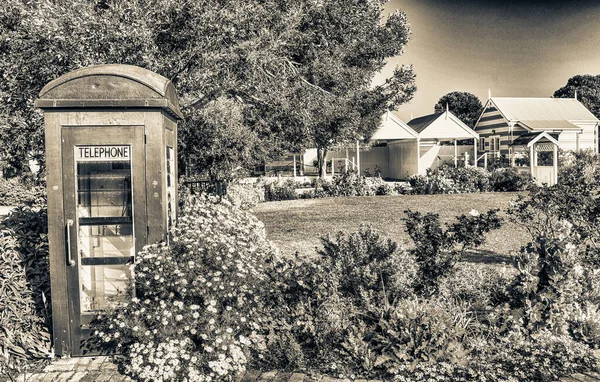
[{"x": 322, "y": 165}]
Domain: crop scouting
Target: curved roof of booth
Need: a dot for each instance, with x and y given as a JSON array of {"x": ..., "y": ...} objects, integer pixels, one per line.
[{"x": 110, "y": 85}]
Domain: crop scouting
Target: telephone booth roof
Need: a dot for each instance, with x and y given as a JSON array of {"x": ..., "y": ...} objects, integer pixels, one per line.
[{"x": 110, "y": 85}]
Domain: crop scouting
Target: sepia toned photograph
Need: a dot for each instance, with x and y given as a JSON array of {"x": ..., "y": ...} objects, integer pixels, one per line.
[{"x": 299, "y": 190}]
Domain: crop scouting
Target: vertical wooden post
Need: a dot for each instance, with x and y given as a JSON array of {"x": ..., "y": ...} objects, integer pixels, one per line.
[
  {"x": 357, "y": 157},
  {"x": 485, "y": 160},
  {"x": 475, "y": 142},
  {"x": 555, "y": 162},
  {"x": 455, "y": 154},
  {"x": 532, "y": 160},
  {"x": 418, "y": 156},
  {"x": 294, "y": 165},
  {"x": 466, "y": 159}
]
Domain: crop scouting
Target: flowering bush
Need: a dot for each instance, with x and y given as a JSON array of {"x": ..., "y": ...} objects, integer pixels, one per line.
[
  {"x": 350, "y": 183},
  {"x": 246, "y": 195},
  {"x": 197, "y": 307},
  {"x": 453, "y": 180}
]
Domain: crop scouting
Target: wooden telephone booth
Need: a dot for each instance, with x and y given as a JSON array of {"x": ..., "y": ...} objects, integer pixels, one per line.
[{"x": 111, "y": 149}]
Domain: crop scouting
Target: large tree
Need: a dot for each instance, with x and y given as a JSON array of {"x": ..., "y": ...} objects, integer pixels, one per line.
[
  {"x": 254, "y": 77},
  {"x": 588, "y": 91},
  {"x": 466, "y": 106}
]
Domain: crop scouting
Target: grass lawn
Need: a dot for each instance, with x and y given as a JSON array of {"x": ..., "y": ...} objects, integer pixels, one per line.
[{"x": 297, "y": 225}]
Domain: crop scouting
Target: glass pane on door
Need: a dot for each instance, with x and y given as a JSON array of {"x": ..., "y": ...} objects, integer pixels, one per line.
[{"x": 105, "y": 221}]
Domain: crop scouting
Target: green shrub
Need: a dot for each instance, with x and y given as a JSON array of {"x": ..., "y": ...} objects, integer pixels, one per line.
[
  {"x": 467, "y": 179},
  {"x": 15, "y": 192},
  {"x": 420, "y": 331},
  {"x": 326, "y": 307},
  {"x": 543, "y": 358},
  {"x": 368, "y": 266},
  {"x": 197, "y": 307},
  {"x": 436, "y": 250},
  {"x": 431, "y": 184},
  {"x": 452, "y": 180},
  {"x": 285, "y": 190},
  {"x": 509, "y": 180},
  {"x": 246, "y": 195},
  {"x": 25, "y": 316},
  {"x": 350, "y": 183},
  {"x": 482, "y": 287}
]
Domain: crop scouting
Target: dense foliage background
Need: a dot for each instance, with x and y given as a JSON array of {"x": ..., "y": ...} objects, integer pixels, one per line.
[{"x": 254, "y": 77}]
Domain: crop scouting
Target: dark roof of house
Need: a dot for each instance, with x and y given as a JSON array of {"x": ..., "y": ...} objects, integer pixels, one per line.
[
  {"x": 421, "y": 123},
  {"x": 524, "y": 139}
]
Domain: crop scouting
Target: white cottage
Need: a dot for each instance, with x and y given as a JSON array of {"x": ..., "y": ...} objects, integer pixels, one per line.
[{"x": 403, "y": 149}]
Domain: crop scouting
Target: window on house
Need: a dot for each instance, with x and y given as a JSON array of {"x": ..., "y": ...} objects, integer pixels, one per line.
[
  {"x": 494, "y": 144},
  {"x": 481, "y": 144}
]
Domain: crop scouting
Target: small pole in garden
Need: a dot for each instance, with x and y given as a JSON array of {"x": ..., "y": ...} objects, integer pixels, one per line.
[{"x": 455, "y": 154}]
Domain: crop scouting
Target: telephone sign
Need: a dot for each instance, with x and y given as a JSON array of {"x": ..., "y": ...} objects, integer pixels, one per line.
[{"x": 102, "y": 153}]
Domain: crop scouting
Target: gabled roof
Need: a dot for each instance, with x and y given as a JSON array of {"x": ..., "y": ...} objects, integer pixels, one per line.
[
  {"x": 421, "y": 123},
  {"x": 445, "y": 121},
  {"x": 529, "y": 139},
  {"x": 542, "y": 113},
  {"x": 393, "y": 128}
]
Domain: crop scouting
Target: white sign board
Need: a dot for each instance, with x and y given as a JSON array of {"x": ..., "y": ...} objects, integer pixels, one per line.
[{"x": 102, "y": 153}]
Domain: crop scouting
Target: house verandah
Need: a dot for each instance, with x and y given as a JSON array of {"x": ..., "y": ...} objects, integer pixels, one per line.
[
  {"x": 536, "y": 154},
  {"x": 398, "y": 150}
]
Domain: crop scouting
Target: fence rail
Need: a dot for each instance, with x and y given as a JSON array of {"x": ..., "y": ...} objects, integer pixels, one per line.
[{"x": 206, "y": 186}]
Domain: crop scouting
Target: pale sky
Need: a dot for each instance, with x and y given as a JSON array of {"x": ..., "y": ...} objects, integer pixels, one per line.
[{"x": 515, "y": 48}]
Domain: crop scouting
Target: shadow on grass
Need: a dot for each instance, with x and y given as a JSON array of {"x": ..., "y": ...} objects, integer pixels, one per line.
[{"x": 482, "y": 256}]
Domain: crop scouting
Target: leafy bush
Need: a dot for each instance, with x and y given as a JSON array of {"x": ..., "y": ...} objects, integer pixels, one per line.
[
  {"x": 196, "y": 309},
  {"x": 370, "y": 270},
  {"x": 420, "y": 330},
  {"x": 16, "y": 192},
  {"x": 326, "y": 306},
  {"x": 557, "y": 286},
  {"x": 451, "y": 180},
  {"x": 246, "y": 195},
  {"x": 467, "y": 179},
  {"x": 544, "y": 357},
  {"x": 350, "y": 183},
  {"x": 482, "y": 287},
  {"x": 285, "y": 190},
  {"x": 25, "y": 315},
  {"x": 431, "y": 184},
  {"x": 509, "y": 180},
  {"x": 437, "y": 250}
]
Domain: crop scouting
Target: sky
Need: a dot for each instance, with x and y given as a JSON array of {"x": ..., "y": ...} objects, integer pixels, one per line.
[{"x": 513, "y": 48}]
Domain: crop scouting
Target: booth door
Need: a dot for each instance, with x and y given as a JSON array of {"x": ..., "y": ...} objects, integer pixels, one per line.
[{"x": 104, "y": 207}]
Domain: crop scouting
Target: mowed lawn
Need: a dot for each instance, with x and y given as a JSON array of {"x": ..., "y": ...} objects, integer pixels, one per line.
[{"x": 297, "y": 225}]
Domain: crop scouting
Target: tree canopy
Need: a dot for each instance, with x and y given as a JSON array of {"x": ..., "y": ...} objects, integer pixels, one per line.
[
  {"x": 588, "y": 91},
  {"x": 254, "y": 77},
  {"x": 464, "y": 105}
]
